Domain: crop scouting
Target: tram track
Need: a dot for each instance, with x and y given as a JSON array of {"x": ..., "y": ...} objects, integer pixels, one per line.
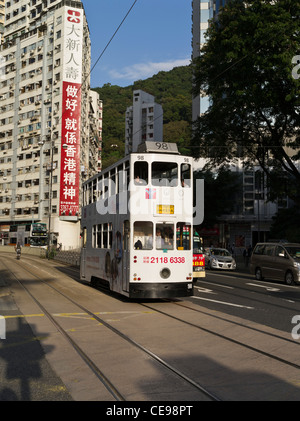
[
  {"x": 184, "y": 319},
  {"x": 95, "y": 369},
  {"x": 230, "y": 339}
]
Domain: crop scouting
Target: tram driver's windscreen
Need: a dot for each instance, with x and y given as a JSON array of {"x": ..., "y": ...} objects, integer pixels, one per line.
[{"x": 164, "y": 236}]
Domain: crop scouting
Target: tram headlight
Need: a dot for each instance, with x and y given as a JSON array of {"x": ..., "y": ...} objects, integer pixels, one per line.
[{"x": 165, "y": 273}]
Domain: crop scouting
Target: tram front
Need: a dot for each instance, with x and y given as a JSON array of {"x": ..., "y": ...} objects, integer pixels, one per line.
[{"x": 161, "y": 215}]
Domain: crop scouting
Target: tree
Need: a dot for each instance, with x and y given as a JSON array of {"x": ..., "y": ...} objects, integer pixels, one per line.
[
  {"x": 171, "y": 89},
  {"x": 247, "y": 68},
  {"x": 286, "y": 225}
]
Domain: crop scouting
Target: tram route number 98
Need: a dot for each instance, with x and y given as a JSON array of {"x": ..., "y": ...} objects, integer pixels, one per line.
[{"x": 167, "y": 260}]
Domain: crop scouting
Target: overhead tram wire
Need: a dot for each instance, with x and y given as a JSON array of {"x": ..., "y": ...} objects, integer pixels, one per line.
[
  {"x": 116, "y": 31},
  {"x": 105, "y": 48},
  {"x": 216, "y": 77}
]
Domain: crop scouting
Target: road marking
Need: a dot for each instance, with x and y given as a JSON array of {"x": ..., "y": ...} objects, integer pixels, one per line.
[
  {"x": 21, "y": 316},
  {"x": 264, "y": 286},
  {"x": 223, "y": 302},
  {"x": 78, "y": 315},
  {"x": 205, "y": 290},
  {"x": 221, "y": 275},
  {"x": 218, "y": 285}
]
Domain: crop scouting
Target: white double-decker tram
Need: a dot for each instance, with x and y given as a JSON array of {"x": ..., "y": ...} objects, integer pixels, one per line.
[{"x": 137, "y": 224}]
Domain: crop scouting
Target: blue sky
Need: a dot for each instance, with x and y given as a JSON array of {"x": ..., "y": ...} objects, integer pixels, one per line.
[{"x": 155, "y": 36}]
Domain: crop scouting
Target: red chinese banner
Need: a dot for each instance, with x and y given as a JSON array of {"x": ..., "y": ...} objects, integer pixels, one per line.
[
  {"x": 71, "y": 112},
  {"x": 70, "y": 150}
]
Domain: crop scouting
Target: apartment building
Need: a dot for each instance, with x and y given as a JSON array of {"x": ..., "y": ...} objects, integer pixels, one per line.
[
  {"x": 144, "y": 121},
  {"x": 49, "y": 131},
  {"x": 203, "y": 10},
  {"x": 95, "y": 119},
  {"x": 2, "y": 18}
]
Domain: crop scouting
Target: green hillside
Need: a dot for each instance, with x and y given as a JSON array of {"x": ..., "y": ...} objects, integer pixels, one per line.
[{"x": 171, "y": 89}]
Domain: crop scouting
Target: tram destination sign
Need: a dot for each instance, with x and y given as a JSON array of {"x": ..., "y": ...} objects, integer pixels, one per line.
[{"x": 161, "y": 147}]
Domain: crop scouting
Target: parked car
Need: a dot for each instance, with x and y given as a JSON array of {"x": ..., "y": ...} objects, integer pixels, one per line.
[
  {"x": 219, "y": 258},
  {"x": 278, "y": 261}
]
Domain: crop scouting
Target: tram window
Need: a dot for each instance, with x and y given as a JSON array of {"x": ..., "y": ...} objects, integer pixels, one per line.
[
  {"x": 185, "y": 175},
  {"x": 164, "y": 174},
  {"x": 94, "y": 199},
  {"x": 113, "y": 189},
  {"x": 110, "y": 236},
  {"x": 94, "y": 236},
  {"x": 120, "y": 182},
  {"x": 83, "y": 237},
  {"x": 183, "y": 236},
  {"x": 83, "y": 195},
  {"x": 141, "y": 173},
  {"x": 105, "y": 236},
  {"x": 89, "y": 189},
  {"x": 100, "y": 189},
  {"x": 143, "y": 235},
  {"x": 99, "y": 237},
  {"x": 126, "y": 235},
  {"x": 127, "y": 170},
  {"x": 164, "y": 238},
  {"x": 106, "y": 186}
]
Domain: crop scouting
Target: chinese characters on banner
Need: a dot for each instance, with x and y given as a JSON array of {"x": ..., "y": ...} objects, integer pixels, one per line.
[{"x": 71, "y": 113}]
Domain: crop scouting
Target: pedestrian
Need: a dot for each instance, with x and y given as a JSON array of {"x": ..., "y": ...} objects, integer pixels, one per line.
[
  {"x": 248, "y": 254},
  {"x": 233, "y": 250},
  {"x": 245, "y": 256}
]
